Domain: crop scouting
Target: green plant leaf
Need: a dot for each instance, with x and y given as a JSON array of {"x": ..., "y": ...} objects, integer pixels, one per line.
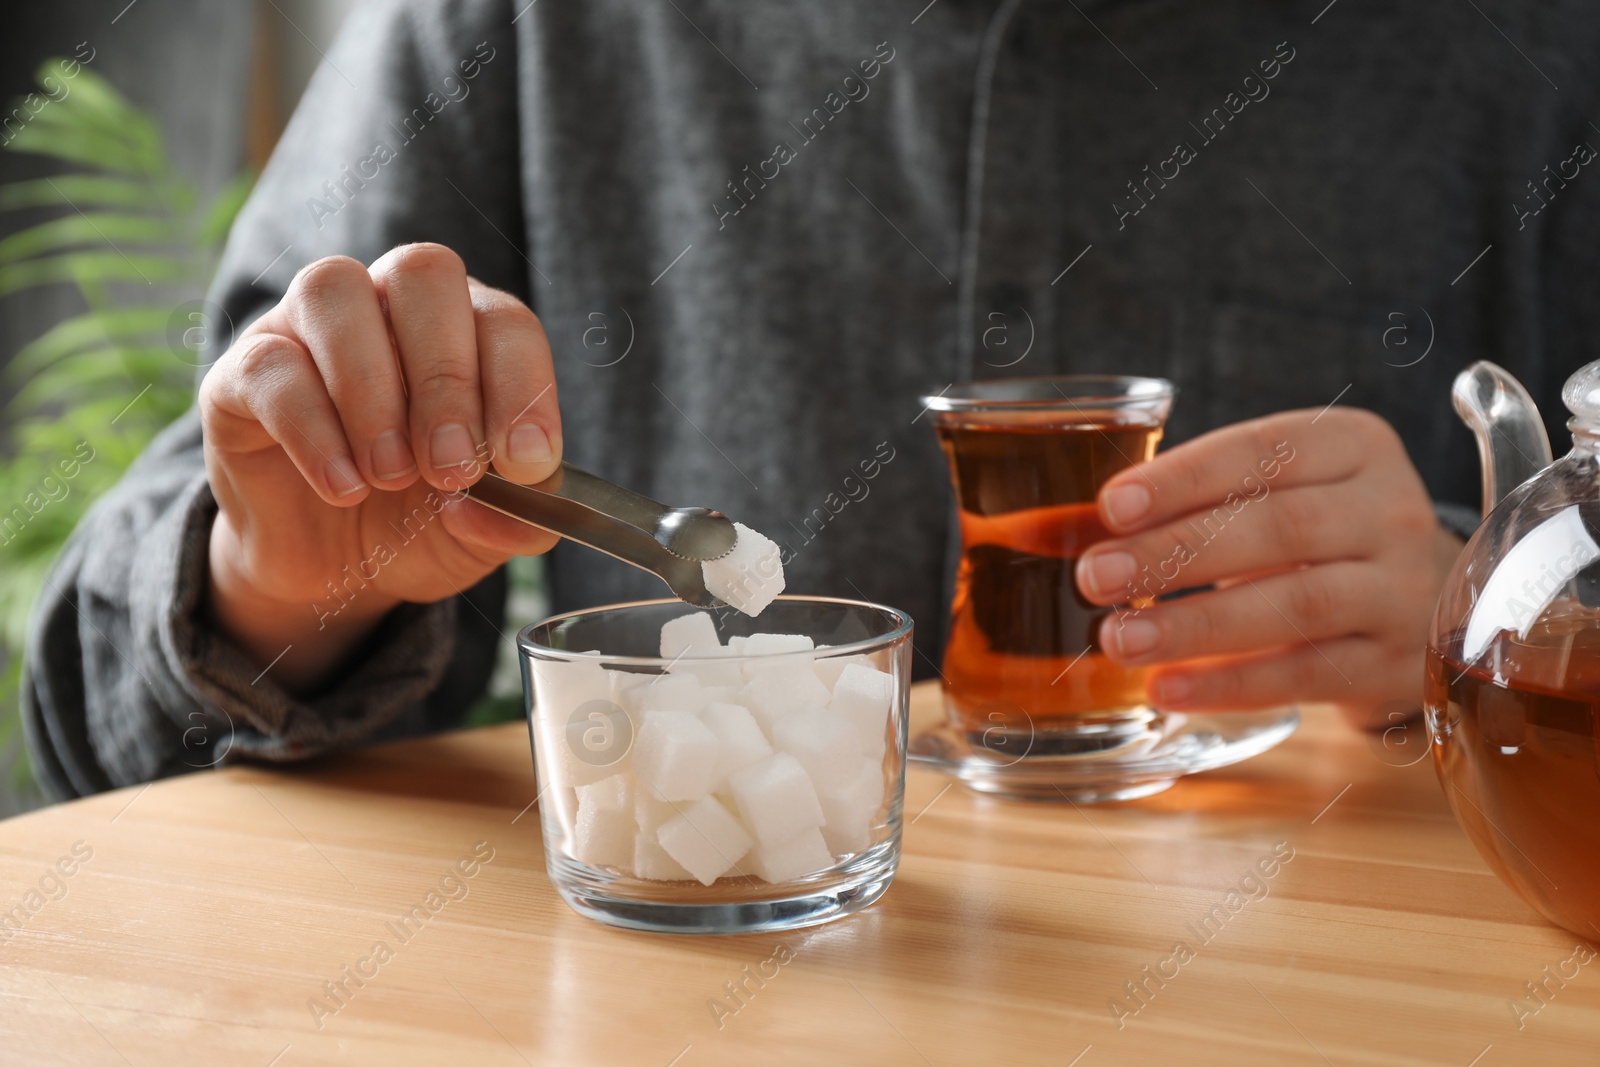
[
  {"x": 109, "y": 377},
  {"x": 82, "y": 190},
  {"x": 91, "y": 103},
  {"x": 11, "y": 728},
  {"x": 77, "y": 144},
  {"x": 76, "y": 230},
  {"x": 88, "y": 330},
  {"x": 98, "y": 372},
  {"x": 94, "y": 100},
  {"x": 492, "y": 710},
  {"x": 23, "y": 580},
  {"x": 224, "y": 209},
  {"x": 91, "y": 267}
]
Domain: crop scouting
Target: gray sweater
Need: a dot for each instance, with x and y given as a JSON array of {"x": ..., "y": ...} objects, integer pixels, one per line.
[{"x": 756, "y": 233}]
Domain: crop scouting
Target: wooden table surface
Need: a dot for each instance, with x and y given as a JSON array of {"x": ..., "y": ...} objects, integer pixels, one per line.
[{"x": 204, "y": 917}]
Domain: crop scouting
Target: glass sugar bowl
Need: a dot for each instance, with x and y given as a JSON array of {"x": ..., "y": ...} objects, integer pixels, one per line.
[{"x": 707, "y": 772}]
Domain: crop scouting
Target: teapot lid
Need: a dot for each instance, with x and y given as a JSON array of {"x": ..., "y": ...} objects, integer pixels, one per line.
[{"x": 1581, "y": 394}]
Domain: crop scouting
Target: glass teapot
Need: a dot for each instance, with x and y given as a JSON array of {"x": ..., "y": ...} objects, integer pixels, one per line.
[{"x": 1512, "y": 690}]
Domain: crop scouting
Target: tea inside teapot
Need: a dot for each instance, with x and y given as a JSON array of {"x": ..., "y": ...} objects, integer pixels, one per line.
[
  {"x": 1521, "y": 762},
  {"x": 1512, "y": 688}
]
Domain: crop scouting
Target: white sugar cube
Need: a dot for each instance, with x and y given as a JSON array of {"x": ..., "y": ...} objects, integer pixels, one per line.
[
  {"x": 748, "y": 577},
  {"x": 776, "y": 798},
  {"x": 689, "y": 634},
  {"x": 760, "y": 652},
  {"x": 825, "y": 744},
  {"x": 777, "y": 644},
  {"x": 829, "y": 669},
  {"x": 561, "y": 802},
  {"x": 608, "y": 794},
  {"x": 742, "y": 742},
  {"x": 862, "y": 794},
  {"x": 784, "y": 861},
  {"x": 850, "y": 811},
  {"x": 675, "y": 755},
  {"x": 864, "y": 695},
  {"x": 559, "y": 687},
  {"x": 706, "y": 839},
  {"x": 622, "y": 681},
  {"x": 778, "y": 691},
  {"x": 603, "y": 838},
  {"x": 650, "y": 812},
  {"x": 713, "y": 666},
  {"x": 651, "y": 861},
  {"x": 664, "y": 692},
  {"x": 721, "y": 694},
  {"x": 567, "y": 698},
  {"x": 737, "y": 644},
  {"x": 848, "y": 834}
]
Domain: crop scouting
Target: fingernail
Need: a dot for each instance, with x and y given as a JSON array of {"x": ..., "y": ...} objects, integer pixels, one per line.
[
  {"x": 342, "y": 477},
  {"x": 1172, "y": 691},
  {"x": 528, "y": 444},
  {"x": 451, "y": 446},
  {"x": 1136, "y": 637},
  {"x": 1127, "y": 504},
  {"x": 1110, "y": 573},
  {"x": 391, "y": 456}
]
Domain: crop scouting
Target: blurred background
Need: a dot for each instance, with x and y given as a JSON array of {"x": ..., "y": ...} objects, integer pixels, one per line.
[{"x": 130, "y": 135}]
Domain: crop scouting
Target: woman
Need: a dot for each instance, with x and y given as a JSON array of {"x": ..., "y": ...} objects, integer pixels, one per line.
[{"x": 744, "y": 239}]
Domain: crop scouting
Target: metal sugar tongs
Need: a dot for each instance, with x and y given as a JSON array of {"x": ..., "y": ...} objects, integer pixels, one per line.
[{"x": 670, "y": 543}]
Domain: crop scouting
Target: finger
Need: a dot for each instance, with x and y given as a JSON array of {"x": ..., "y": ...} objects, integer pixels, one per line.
[
  {"x": 1313, "y": 604},
  {"x": 1266, "y": 531},
  {"x": 1344, "y": 669},
  {"x": 424, "y": 287},
  {"x": 1293, "y": 448},
  {"x": 521, "y": 418},
  {"x": 492, "y": 536},
  {"x": 333, "y": 309},
  {"x": 270, "y": 383}
]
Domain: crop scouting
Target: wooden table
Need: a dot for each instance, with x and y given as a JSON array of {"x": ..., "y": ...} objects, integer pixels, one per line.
[{"x": 214, "y": 908}]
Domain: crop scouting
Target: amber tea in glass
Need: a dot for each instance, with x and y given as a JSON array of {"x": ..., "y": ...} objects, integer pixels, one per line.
[{"x": 1023, "y": 669}]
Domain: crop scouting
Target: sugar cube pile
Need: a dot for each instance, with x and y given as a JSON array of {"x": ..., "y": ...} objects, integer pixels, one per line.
[{"x": 764, "y": 759}]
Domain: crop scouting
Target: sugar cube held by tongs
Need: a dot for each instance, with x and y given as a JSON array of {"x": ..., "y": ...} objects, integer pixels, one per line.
[{"x": 705, "y": 559}]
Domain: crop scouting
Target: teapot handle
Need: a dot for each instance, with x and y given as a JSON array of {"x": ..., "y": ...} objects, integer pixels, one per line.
[{"x": 1512, "y": 443}]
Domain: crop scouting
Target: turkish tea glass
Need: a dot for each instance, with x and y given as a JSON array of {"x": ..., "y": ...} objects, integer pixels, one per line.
[{"x": 1034, "y": 706}]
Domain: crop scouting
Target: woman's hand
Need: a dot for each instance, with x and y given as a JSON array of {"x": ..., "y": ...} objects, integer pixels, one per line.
[
  {"x": 341, "y": 430},
  {"x": 1325, "y": 554}
]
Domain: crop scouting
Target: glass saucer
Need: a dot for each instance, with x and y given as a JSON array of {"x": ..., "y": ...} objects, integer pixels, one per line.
[{"x": 1041, "y": 767}]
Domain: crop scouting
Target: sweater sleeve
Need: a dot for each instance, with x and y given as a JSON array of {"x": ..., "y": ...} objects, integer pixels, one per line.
[{"x": 406, "y": 133}]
